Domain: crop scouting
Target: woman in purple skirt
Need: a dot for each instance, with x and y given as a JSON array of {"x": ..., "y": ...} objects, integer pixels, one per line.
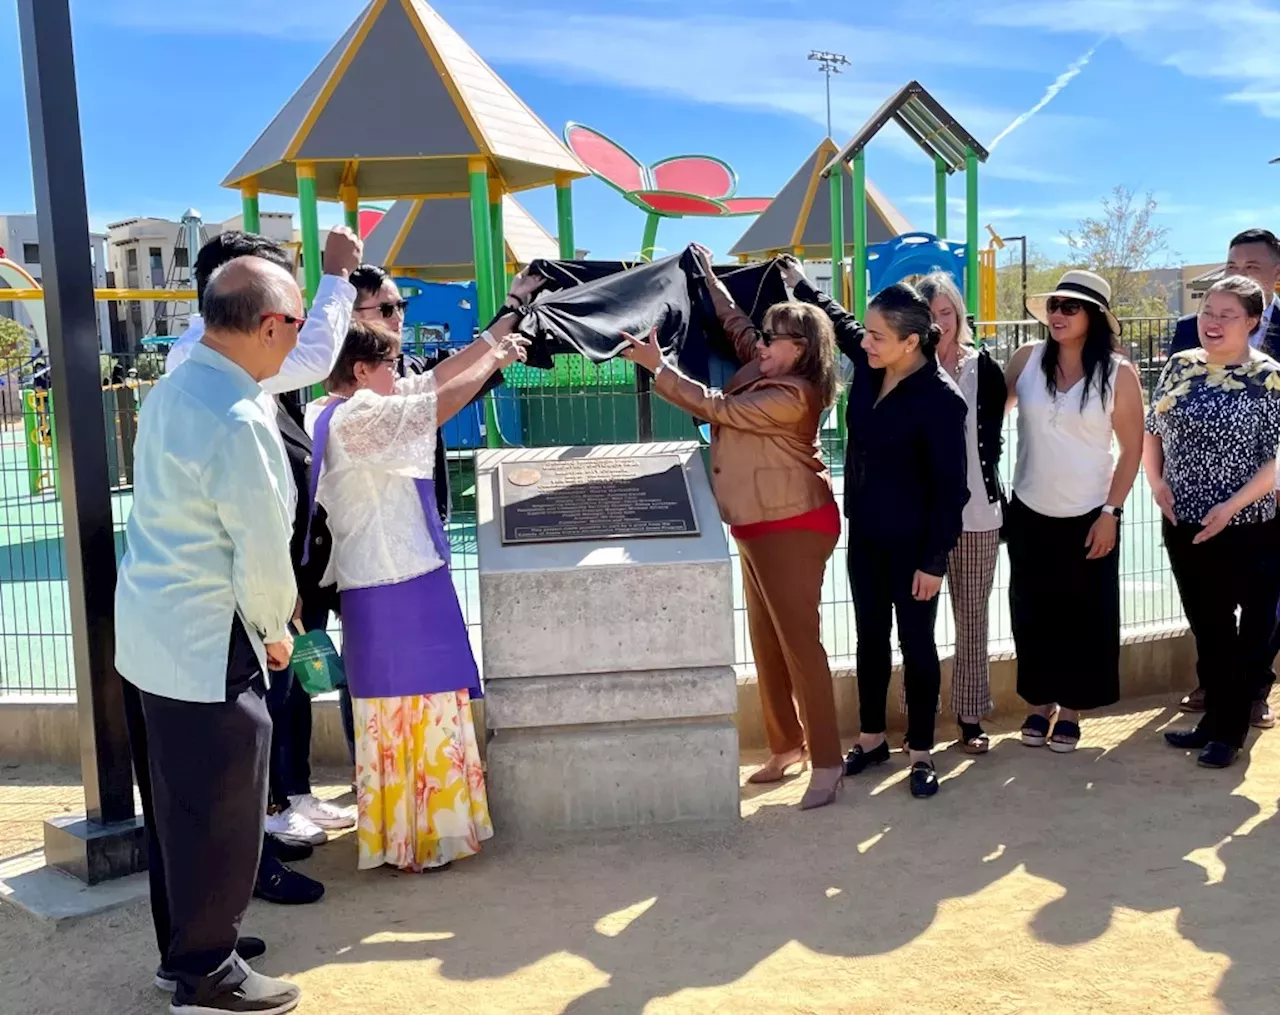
[{"x": 420, "y": 786}]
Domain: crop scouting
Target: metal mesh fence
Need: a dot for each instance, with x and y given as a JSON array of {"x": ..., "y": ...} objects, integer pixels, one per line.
[{"x": 576, "y": 403}]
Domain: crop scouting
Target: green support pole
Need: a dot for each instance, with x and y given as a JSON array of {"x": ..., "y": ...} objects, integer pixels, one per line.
[
  {"x": 498, "y": 242},
  {"x": 837, "y": 233},
  {"x": 351, "y": 209},
  {"x": 486, "y": 306},
  {"x": 249, "y": 204},
  {"x": 564, "y": 217},
  {"x": 940, "y": 195},
  {"x": 310, "y": 220},
  {"x": 650, "y": 237},
  {"x": 971, "y": 233},
  {"x": 860, "y": 235}
]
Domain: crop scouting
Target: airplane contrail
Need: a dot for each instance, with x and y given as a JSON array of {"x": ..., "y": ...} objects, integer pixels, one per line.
[{"x": 1051, "y": 92}]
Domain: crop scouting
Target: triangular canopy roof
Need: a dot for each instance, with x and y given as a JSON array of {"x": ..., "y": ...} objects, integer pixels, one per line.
[
  {"x": 432, "y": 239},
  {"x": 925, "y": 121},
  {"x": 799, "y": 219},
  {"x": 450, "y": 107}
]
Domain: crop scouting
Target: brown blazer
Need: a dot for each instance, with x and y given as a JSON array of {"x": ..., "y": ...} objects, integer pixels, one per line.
[{"x": 766, "y": 454}]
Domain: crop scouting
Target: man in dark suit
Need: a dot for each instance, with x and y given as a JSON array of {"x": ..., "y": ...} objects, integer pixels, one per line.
[{"x": 1254, "y": 253}]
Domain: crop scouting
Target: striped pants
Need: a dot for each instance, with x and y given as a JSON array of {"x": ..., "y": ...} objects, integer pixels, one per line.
[{"x": 971, "y": 572}]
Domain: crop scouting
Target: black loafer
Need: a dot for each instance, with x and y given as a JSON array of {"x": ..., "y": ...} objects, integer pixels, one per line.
[
  {"x": 1217, "y": 755},
  {"x": 248, "y": 948},
  {"x": 286, "y": 852},
  {"x": 1187, "y": 740},
  {"x": 277, "y": 883},
  {"x": 858, "y": 760},
  {"x": 924, "y": 780}
]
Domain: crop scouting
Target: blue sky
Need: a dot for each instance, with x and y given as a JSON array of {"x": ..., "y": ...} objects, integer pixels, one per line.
[{"x": 1178, "y": 98}]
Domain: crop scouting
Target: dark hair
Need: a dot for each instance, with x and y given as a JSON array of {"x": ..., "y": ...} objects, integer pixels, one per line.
[
  {"x": 908, "y": 314},
  {"x": 236, "y": 300},
  {"x": 1099, "y": 344},
  {"x": 368, "y": 279},
  {"x": 227, "y": 247},
  {"x": 365, "y": 343},
  {"x": 1252, "y": 296},
  {"x": 818, "y": 357},
  {"x": 1264, "y": 236}
]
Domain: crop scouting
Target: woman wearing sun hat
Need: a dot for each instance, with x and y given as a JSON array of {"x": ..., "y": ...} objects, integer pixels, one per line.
[{"x": 1074, "y": 392}]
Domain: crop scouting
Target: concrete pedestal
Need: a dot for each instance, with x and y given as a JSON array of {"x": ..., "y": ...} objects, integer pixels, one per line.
[{"x": 608, "y": 667}]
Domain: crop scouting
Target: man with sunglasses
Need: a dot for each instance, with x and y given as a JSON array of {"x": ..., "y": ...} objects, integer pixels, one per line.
[{"x": 1255, "y": 254}]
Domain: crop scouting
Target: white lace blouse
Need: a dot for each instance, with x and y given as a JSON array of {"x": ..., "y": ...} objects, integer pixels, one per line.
[{"x": 378, "y": 445}]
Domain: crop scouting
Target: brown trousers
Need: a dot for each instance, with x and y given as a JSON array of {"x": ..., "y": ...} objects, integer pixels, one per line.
[{"x": 782, "y": 578}]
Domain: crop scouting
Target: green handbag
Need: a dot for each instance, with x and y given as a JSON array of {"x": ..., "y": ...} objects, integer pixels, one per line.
[{"x": 316, "y": 663}]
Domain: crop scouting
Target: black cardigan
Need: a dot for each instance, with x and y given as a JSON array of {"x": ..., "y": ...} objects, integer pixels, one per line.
[
  {"x": 993, "y": 396},
  {"x": 905, "y": 466}
]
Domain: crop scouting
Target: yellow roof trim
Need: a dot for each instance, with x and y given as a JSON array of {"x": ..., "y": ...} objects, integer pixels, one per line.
[
  {"x": 403, "y": 235},
  {"x": 459, "y": 102}
]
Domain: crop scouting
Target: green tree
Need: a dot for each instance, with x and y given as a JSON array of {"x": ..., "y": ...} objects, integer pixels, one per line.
[
  {"x": 16, "y": 344},
  {"x": 1123, "y": 244},
  {"x": 1042, "y": 275}
]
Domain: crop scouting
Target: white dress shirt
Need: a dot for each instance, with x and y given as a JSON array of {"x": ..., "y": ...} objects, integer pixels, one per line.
[
  {"x": 319, "y": 341},
  {"x": 208, "y": 536},
  {"x": 378, "y": 446},
  {"x": 1264, "y": 325}
]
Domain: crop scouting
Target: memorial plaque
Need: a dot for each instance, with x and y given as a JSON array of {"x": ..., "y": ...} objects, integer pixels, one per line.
[{"x": 580, "y": 499}]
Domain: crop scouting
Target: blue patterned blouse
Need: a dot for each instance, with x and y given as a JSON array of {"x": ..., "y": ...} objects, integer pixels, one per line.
[{"x": 1219, "y": 425}]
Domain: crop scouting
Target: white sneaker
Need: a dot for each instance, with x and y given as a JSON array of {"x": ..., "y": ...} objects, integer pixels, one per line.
[
  {"x": 322, "y": 813},
  {"x": 290, "y": 826}
]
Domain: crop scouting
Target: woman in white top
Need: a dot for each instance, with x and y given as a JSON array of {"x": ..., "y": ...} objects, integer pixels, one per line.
[
  {"x": 971, "y": 566},
  {"x": 420, "y": 787},
  {"x": 1074, "y": 392}
]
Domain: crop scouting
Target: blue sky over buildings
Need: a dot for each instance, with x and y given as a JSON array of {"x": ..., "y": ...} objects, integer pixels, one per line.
[{"x": 1179, "y": 97}]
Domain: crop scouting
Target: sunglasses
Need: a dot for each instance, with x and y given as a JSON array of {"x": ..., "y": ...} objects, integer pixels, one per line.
[
  {"x": 1065, "y": 306},
  {"x": 387, "y": 310},
  {"x": 290, "y": 320},
  {"x": 769, "y": 337}
]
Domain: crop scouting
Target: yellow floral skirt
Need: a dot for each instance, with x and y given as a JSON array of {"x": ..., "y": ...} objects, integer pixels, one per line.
[{"x": 419, "y": 782}]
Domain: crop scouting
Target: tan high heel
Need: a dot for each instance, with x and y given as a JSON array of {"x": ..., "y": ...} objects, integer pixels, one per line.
[
  {"x": 824, "y": 785},
  {"x": 775, "y": 769}
]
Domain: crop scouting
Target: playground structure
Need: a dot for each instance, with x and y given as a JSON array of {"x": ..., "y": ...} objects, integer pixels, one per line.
[
  {"x": 949, "y": 146},
  {"x": 462, "y": 133},
  {"x": 683, "y": 186}
]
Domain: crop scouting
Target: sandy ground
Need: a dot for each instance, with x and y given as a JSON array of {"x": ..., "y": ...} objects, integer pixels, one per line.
[{"x": 1118, "y": 879}]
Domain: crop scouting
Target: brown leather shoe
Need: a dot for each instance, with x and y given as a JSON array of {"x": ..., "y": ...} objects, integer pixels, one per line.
[
  {"x": 824, "y": 784},
  {"x": 1193, "y": 702},
  {"x": 775, "y": 769}
]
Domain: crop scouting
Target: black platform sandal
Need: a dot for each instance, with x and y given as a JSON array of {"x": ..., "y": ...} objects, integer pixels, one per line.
[
  {"x": 1035, "y": 730},
  {"x": 973, "y": 738}
]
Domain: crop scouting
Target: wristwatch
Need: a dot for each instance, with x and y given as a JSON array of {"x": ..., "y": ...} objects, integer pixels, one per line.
[{"x": 1108, "y": 509}]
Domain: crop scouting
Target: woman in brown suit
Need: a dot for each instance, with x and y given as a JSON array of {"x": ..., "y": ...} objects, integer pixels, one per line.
[{"x": 774, "y": 491}]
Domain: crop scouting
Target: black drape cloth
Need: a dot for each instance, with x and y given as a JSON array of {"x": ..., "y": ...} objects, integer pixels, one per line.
[{"x": 588, "y": 304}]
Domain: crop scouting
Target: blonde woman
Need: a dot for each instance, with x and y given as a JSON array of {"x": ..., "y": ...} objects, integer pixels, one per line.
[
  {"x": 774, "y": 491},
  {"x": 971, "y": 566}
]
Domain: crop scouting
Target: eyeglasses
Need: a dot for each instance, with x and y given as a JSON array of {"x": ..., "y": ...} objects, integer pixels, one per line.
[
  {"x": 289, "y": 319},
  {"x": 1067, "y": 307},
  {"x": 769, "y": 337},
  {"x": 387, "y": 310},
  {"x": 1226, "y": 320}
]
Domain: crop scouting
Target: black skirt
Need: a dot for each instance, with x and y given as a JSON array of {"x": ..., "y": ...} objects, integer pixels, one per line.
[{"x": 1065, "y": 610}]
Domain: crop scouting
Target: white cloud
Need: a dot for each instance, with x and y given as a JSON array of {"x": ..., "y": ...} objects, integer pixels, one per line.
[{"x": 1225, "y": 40}]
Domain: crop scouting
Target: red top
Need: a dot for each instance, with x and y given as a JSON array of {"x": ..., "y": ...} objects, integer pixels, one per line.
[{"x": 825, "y": 519}]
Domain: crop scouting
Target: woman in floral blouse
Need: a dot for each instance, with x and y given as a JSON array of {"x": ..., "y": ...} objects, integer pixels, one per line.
[{"x": 1210, "y": 456}]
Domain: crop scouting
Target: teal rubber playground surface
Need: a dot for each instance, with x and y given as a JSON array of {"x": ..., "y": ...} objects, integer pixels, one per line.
[{"x": 35, "y": 629}]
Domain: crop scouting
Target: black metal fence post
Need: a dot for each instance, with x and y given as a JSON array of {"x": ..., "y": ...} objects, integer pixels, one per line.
[{"x": 109, "y": 843}]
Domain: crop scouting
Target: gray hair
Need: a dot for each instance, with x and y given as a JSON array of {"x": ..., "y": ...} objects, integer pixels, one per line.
[
  {"x": 1251, "y": 295},
  {"x": 939, "y": 283},
  {"x": 242, "y": 291}
]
